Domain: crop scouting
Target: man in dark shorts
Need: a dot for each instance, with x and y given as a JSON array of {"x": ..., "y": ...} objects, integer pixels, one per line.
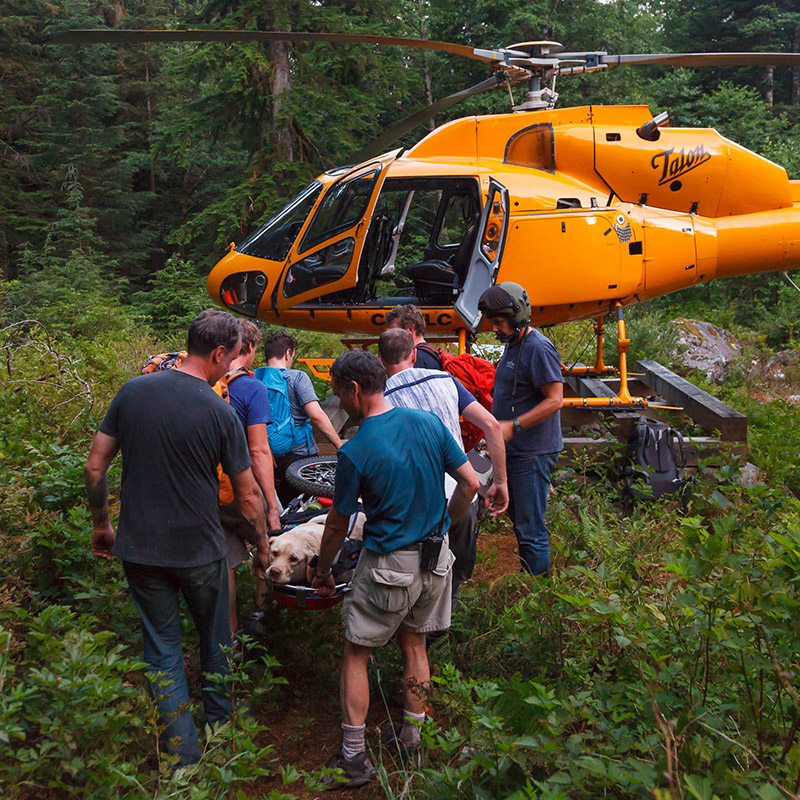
[
  {"x": 280, "y": 348},
  {"x": 527, "y": 400},
  {"x": 173, "y": 430},
  {"x": 396, "y": 464},
  {"x": 410, "y": 318}
]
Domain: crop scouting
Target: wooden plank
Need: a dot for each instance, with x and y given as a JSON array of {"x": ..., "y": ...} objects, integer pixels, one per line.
[
  {"x": 699, "y": 448},
  {"x": 702, "y": 407},
  {"x": 594, "y": 387},
  {"x": 714, "y": 451},
  {"x": 576, "y": 417}
]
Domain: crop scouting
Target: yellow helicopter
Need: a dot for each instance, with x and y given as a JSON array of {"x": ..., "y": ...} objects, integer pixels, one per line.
[{"x": 590, "y": 208}]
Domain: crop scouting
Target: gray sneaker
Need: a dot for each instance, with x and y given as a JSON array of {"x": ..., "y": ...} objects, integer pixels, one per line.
[
  {"x": 356, "y": 772},
  {"x": 390, "y": 738}
]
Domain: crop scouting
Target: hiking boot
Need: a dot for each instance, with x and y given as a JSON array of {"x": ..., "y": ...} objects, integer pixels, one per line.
[
  {"x": 256, "y": 625},
  {"x": 356, "y": 772},
  {"x": 390, "y": 739}
]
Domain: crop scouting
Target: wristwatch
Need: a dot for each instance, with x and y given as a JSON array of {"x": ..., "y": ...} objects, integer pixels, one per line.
[
  {"x": 517, "y": 427},
  {"x": 323, "y": 574}
]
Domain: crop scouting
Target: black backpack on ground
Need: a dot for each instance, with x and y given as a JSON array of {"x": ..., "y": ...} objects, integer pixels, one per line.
[{"x": 656, "y": 469}]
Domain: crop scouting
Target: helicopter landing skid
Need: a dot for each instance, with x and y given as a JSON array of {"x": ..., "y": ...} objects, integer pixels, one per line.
[
  {"x": 623, "y": 398},
  {"x": 600, "y": 369}
]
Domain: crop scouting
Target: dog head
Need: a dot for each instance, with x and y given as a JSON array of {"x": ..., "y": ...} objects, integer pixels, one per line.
[{"x": 290, "y": 553}]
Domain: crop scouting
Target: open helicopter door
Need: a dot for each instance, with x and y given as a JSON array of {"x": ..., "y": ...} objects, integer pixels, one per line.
[
  {"x": 486, "y": 256},
  {"x": 325, "y": 259}
]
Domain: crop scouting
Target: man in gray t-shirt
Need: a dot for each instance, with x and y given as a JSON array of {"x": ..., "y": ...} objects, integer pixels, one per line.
[
  {"x": 279, "y": 350},
  {"x": 172, "y": 430}
]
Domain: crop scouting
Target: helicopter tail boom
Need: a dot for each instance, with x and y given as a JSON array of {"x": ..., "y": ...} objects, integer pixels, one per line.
[{"x": 767, "y": 241}]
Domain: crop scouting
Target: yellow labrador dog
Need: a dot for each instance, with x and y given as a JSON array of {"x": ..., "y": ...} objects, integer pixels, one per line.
[{"x": 290, "y": 552}]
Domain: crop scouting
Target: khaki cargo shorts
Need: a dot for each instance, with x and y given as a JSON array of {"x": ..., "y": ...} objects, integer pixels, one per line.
[{"x": 389, "y": 592}]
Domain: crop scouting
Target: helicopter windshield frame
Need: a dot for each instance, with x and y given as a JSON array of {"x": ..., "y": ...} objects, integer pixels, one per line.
[{"x": 275, "y": 238}]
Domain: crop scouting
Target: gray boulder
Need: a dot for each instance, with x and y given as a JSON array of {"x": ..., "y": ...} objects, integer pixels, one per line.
[
  {"x": 782, "y": 363},
  {"x": 706, "y": 347}
]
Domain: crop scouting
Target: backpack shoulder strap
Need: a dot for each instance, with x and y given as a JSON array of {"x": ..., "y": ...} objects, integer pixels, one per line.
[{"x": 428, "y": 349}]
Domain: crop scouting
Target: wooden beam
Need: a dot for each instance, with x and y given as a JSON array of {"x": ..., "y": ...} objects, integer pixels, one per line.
[{"x": 702, "y": 407}]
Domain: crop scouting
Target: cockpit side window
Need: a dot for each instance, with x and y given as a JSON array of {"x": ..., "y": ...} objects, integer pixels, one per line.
[
  {"x": 340, "y": 209},
  {"x": 274, "y": 239}
]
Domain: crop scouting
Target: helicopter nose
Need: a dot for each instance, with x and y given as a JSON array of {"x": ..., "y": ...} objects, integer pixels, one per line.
[{"x": 239, "y": 282}]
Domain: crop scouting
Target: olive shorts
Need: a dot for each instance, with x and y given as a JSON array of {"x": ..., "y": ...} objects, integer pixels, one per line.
[{"x": 390, "y": 592}]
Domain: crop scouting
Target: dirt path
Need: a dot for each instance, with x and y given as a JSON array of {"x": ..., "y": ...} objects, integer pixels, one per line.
[{"x": 302, "y": 717}]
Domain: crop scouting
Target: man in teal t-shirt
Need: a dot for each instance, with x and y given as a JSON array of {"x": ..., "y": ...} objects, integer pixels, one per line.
[{"x": 395, "y": 463}]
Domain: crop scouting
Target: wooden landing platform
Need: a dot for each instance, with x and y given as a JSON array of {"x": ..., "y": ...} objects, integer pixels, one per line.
[
  {"x": 724, "y": 436},
  {"x": 724, "y": 427}
]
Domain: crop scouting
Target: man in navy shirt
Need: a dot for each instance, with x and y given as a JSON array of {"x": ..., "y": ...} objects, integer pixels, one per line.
[
  {"x": 396, "y": 464},
  {"x": 410, "y": 318},
  {"x": 250, "y": 399},
  {"x": 528, "y": 395}
]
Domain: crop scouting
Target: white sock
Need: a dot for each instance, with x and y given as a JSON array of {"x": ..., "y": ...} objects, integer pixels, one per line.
[
  {"x": 409, "y": 733},
  {"x": 353, "y": 740}
]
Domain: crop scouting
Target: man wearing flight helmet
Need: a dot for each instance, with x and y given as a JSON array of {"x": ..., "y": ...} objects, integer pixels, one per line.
[{"x": 528, "y": 395}]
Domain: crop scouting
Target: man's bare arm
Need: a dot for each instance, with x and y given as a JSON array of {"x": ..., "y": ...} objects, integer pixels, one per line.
[
  {"x": 319, "y": 419},
  {"x": 467, "y": 485},
  {"x": 248, "y": 495},
  {"x": 261, "y": 456},
  {"x": 95, "y": 473},
  {"x": 497, "y": 495},
  {"x": 336, "y": 525},
  {"x": 553, "y": 401}
]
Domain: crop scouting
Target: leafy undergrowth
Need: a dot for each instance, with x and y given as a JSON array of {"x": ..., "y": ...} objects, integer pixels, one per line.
[{"x": 659, "y": 659}]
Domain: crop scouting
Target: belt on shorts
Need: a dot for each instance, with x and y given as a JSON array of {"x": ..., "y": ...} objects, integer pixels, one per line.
[{"x": 410, "y": 548}]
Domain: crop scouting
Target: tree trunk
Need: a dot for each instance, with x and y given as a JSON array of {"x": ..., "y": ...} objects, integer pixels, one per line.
[
  {"x": 769, "y": 85},
  {"x": 426, "y": 72},
  {"x": 281, "y": 138},
  {"x": 150, "y": 125}
]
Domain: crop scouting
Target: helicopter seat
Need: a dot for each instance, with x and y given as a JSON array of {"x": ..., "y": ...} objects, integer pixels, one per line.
[{"x": 435, "y": 281}]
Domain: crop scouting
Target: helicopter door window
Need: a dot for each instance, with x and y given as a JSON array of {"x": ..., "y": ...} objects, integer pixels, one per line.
[
  {"x": 532, "y": 147},
  {"x": 325, "y": 266},
  {"x": 274, "y": 239},
  {"x": 492, "y": 231},
  {"x": 342, "y": 207}
]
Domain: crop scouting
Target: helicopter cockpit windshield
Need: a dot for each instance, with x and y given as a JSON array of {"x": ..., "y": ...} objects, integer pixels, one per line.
[{"x": 276, "y": 237}]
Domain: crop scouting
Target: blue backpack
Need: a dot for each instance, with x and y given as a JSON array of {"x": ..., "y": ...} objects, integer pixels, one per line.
[{"x": 283, "y": 433}]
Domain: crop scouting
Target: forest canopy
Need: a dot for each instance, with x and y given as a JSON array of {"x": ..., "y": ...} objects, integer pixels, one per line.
[{"x": 132, "y": 167}]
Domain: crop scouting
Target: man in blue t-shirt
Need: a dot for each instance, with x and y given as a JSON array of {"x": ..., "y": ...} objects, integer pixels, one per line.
[
  {"x": 440, "y": 393},
  {"x": 395, "y": 464},
  {"x": 250, "y": 400},
  {"x": 527, "y": 400}
]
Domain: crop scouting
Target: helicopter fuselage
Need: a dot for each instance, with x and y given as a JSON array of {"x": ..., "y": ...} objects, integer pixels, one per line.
[{"x": 574, "y": 204}]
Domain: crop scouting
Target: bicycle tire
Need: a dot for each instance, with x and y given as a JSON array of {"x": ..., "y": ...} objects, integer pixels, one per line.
[{"x": 313, "y": 475}]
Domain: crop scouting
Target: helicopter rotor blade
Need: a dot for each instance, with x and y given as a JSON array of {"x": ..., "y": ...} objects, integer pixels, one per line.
[
  {"x": 109, "y": 36},
  {"x": 391, "y": 135},
  {"x": 704, "y": 59}
]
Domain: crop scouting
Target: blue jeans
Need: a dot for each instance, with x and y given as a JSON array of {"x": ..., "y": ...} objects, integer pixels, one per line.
[
  {"x": 528, "y": 484},
  {"x": 155, "y": 590}
]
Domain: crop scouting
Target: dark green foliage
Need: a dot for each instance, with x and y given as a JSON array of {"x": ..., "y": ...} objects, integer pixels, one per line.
[{"x": 664, "y": 643}]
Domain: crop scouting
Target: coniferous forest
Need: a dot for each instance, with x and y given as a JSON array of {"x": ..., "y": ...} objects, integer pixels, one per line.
[{"x": 661, "y": 658}]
